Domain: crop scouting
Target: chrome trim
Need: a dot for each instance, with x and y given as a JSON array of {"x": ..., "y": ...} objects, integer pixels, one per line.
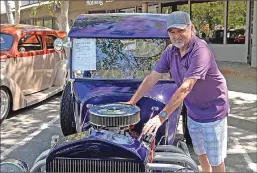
[
  {"x": 162, "y": 167},
  {"x": 37, "y": 167},
  {"x": 130, "y": 115},
  {"x": 169, "y": 157},
  {"x": 169, "y": 148},
  {"x": 77, "y": 165},
  {"x": 42, "y": 156},
  {"x": 4, "y": 103},
  {"x": 13, "y": 165}
]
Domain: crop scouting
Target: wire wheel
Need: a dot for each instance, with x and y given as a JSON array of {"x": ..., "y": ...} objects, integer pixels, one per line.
[{"x": 5, "y": 103}]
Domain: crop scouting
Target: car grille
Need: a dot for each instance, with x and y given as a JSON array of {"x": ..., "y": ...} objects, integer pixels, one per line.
[{"x": 78, "y": 165}]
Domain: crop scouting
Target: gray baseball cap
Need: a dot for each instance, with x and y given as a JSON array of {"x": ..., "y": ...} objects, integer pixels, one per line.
[{"x": 178, "y": 19}]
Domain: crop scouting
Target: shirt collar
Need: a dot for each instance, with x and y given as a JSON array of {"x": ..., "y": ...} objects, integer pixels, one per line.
[{"x": 191, "y": 44}]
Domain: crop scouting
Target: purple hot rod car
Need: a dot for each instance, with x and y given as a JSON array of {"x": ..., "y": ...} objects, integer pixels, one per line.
[{"x": 110, "y": 54}]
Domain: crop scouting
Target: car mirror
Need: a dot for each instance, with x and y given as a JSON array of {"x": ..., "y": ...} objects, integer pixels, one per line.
[{"x": 59, "y": 44}]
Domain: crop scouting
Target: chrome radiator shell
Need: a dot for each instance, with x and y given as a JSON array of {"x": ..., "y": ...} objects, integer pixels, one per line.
[{"x": 92, "y": 165}]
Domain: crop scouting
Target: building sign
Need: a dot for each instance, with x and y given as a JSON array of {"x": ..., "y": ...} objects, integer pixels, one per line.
[{"x": 94, "y": 2}]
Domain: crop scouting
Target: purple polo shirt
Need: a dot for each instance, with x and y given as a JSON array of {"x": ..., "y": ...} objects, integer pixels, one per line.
[{"x": 208, "y": 100}]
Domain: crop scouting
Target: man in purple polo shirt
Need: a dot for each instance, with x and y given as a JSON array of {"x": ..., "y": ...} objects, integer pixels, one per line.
[{"x": 201, "y": 86}]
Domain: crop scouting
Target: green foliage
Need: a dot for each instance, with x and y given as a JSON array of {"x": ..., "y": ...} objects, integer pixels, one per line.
[
  {"x": 211, "y": 14},
  {"x": 51, "y": 6},
  {"x": 237, "y": 14},
  {"x": 33, "y": 12}
]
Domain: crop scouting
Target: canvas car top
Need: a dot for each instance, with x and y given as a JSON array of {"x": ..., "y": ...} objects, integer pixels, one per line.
[
  {"x": 120, "y": 25},
  {"x": 20, "y": 28}
]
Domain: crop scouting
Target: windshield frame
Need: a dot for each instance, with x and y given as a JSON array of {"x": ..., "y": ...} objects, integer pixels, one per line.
[{"x": 11, "y": 46}]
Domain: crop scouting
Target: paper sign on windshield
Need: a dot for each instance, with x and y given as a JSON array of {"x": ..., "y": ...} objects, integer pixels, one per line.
[{"x": 84, "y": 54}]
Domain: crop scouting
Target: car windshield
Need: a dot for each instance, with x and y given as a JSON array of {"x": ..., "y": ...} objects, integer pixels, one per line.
[
  {"x": 6, "y": 41},
  {"x": 115, "y": 58}
]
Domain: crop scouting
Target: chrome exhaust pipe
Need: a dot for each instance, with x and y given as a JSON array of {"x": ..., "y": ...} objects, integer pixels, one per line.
[
  {"x": 181, "y": 144},
  {"x": 162, "y": 167},
  {"x": 43, "y": 155},
  {"x": 37, "y": 167},
  {"x": 169, "y": 148},
  {"x": 175, "y": 157}
]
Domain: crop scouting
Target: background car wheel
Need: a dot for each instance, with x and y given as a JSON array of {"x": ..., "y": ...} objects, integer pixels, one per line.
[
  {"x": 66, "y": 112},
  {"x": 184, "y": 126},
  {"x": 5, "y": 103}
]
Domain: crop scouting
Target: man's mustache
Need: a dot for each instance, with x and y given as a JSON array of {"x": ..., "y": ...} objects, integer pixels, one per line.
[{"x": 178, "y": 39}]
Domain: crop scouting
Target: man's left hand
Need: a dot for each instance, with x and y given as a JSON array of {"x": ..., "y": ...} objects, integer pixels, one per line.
[{"x": 152, "y": 125}]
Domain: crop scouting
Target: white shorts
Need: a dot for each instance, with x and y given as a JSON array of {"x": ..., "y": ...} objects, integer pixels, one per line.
[{"x": 209, "y": 138}]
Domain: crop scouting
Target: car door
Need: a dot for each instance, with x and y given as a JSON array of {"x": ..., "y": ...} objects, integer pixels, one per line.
[
  {"x": 52, "y": 62},
  {"x": 31, "y": 63},
  {"x": 13, "y": 66}
]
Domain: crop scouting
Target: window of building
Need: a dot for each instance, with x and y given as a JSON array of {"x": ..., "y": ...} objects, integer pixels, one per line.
[
  {"x": 127, "y": 10},
  {"x": 33, "y": 1},
  {"x": 236, "y": 22},
  {"x": 208, "y": 18},
  {"x": 153, "y": 9},
  {"x": 48, "y": 23},
  {"x": 55, "y": 25},
  {"x": 38, "y": 22},
  {"x": 25, "y": 22},
  {"x": 110, "y": 11},
  {"x": 97, "y": 12}
]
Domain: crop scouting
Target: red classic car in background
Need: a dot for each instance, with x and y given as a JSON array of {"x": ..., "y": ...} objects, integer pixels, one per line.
[{"x": 31, "y": 69}]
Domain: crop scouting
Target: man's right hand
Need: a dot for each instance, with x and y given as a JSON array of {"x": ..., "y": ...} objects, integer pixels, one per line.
[
  {"x": 144, "y": 87},
  {"x": 128, "y": 103}
]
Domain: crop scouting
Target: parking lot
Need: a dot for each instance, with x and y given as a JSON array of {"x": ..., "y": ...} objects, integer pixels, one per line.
[{"x": 26, "y": 133}]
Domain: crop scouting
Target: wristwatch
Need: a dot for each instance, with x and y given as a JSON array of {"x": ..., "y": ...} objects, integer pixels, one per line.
[{"x": 164, "y": 114}]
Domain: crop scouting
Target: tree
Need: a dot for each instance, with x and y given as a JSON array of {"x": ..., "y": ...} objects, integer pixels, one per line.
[
  {"x": 236, "y": 14},
  {"x": 61, "y": 11},
  {"x": 211, "y": 15},
  {"x": 9, "y": 14},
  {"x": 58, "y": 9},
  {"x": 17, "y": 12}
]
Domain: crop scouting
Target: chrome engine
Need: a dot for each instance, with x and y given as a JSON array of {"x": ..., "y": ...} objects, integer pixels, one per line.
[{"x": 114, "y": 115}]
